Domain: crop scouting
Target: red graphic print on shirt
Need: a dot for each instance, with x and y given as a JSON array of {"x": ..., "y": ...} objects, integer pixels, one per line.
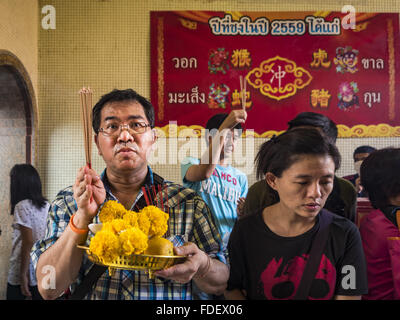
[{"x": 281, "y": 281}]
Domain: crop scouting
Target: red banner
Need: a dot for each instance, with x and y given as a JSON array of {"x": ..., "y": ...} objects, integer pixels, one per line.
[{"x": 293, "y": 62}]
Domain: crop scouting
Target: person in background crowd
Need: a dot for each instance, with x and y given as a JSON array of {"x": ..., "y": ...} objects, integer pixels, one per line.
[
  {"x": 123, "y": 122},
  {"x": 380, "y": 177},
  {"x": 359, "y": 155},
  {"x": 29, "y": 208},
  {"x": 219, "y": 184},
  {"x": 343, "y": 197},
  {"x": 271, "y": 250}
]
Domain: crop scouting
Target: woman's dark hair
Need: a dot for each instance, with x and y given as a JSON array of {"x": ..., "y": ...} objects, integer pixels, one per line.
[
  {"x": 25, "y": 184},
  {"x": 380, "y": 176},
  {"x": 280, "y": 152},
  {"x": 121, "y": 95},
  {"x": 318, "y": 120}
]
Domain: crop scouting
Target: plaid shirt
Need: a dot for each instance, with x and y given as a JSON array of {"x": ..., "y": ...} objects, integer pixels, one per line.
[{"x": 190, "y": 220}]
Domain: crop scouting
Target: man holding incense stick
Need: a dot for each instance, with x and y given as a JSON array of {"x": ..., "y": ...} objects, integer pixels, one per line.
[
  {"x": 221, "y": 185},
  {"x": 123, "y": 122}
]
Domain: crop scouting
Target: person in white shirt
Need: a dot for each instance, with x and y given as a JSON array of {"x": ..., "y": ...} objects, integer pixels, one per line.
[{"x": 29, "y": 208}]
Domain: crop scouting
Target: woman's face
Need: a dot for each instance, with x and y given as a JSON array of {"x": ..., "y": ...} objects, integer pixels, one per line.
[{"x": 304, "y": 187}]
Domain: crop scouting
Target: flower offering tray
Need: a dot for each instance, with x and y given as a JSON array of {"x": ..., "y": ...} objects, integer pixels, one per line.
[{"x": 149, "y": 263}]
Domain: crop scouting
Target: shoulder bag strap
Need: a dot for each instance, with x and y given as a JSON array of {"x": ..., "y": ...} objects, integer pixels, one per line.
[
  {"x": 314, "y": 259},
  {"x": 88, "y": 281}
]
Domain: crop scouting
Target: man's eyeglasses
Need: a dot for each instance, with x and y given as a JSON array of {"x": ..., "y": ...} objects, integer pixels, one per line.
[{"x": 114, "y": 129}]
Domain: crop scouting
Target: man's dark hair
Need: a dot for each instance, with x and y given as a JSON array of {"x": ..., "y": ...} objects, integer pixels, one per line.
[
  {"x": 315, "y": 120},
  {"x": 121, "y": 95},
  {"x": 215, "y": 121},
  {"x": 380, "y": 176},
  {"x": 25, "y": 184},
  {"x": 279, "y": 153},
  {"x": 363, "y": 149}
]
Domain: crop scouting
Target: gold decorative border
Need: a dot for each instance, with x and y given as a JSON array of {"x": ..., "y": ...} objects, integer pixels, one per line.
[
  {"x": 392, "y": 70},
  {"x": 160, "y": 68},
  {"x": 358, "y": 131},
  {"x": 363, "y": 131}
]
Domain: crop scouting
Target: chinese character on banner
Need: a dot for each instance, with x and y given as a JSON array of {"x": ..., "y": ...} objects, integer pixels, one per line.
[
  {"x": 237, "y": 102},
  {"x": 279, "y": 75},
  {"x": 278, "y": 78},
  {"x": 320, "y": 97},
  {"x": 241, "y": 58},
  {"x": 320, "y": 58}
]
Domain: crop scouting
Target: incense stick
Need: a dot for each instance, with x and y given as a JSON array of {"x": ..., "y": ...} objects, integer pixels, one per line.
[
  {"x": 243, "y": 91},
  {"x": 86, "y": 117}
]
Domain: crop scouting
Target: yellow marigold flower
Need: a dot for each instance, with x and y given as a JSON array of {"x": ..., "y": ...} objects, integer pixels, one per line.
[
  {"x": 143, "y": 222},
  {"x": 105, "y": 244},
  {"x": 133, "y": 241},
  {"x": 107, "y": 226},
  {"x": 158, "y": 221},
  {"x": 131, "y": 217},
  {"x": 111, "y": 210},
  {"x": 126, "y": 232},
  {"x": 119, "y": 225}
]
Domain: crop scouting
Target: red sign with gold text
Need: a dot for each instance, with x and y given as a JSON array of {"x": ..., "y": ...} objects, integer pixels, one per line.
[{"x": 293, "y": 62}]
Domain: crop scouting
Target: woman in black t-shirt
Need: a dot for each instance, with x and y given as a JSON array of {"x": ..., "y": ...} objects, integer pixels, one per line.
[{"x": 268, "y": 251}]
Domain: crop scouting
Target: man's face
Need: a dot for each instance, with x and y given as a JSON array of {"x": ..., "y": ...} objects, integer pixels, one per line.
[
  {"x": 126, "y": 150},
  {"x": 230, "y": 142}
]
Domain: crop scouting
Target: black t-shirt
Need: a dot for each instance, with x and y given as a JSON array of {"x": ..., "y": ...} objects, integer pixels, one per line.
[{"x": 269, "y": 266}]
